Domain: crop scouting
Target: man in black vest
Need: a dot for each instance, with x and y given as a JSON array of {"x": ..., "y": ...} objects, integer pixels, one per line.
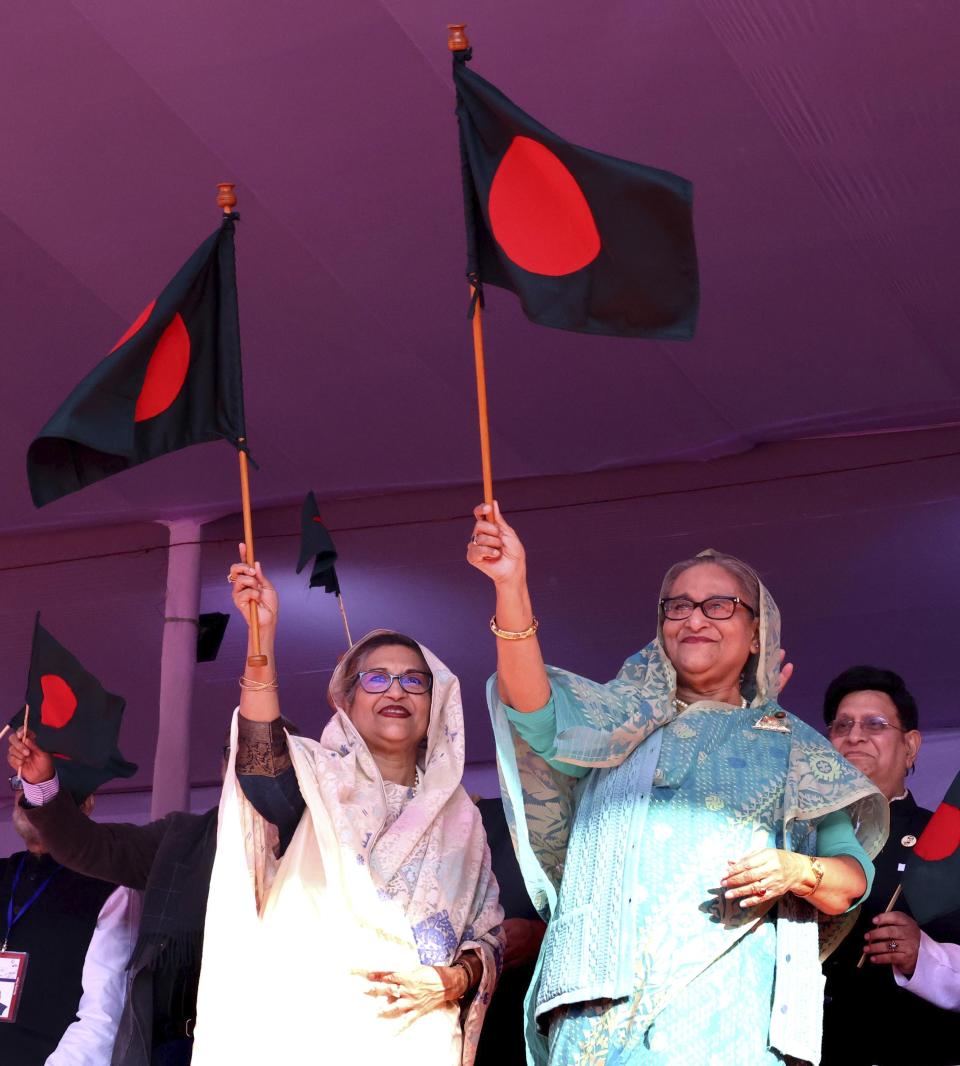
[
  {"x": 48, "y": 913},
  {"x": 872, "y": 721}
]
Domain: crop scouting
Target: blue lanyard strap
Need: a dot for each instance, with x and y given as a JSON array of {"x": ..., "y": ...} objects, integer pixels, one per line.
[{"x": 12, "y": 918}]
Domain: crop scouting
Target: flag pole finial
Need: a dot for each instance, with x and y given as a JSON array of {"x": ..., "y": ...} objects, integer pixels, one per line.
[
  {"x": 456, "y": 38},
  {"x": 226, "y": 196}
]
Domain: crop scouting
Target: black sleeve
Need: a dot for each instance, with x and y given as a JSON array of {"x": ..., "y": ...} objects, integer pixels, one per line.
[
  {"x": 111, "y": 851},
  {"x": 267, "y": 776}
]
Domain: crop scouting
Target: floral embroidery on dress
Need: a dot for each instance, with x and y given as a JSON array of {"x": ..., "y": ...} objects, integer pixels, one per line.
[{"x": 436, "y": 939}]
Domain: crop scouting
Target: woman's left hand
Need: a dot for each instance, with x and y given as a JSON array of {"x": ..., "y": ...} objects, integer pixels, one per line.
[
  {"x": 764, "y": 875},
  {"x": 419, "y": 990}
]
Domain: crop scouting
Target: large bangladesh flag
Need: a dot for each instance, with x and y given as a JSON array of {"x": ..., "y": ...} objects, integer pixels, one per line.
[
  {"x": 173, "y": 379},
  {"x": 588, "y": 242}
]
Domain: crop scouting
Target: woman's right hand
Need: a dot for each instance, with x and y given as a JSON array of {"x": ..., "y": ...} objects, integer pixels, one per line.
[
  {"x": 250, "y": 585},
  {"x": 495, "y": 549}
]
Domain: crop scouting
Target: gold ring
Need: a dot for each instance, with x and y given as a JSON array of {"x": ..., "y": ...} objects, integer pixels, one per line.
[{"x": 230, "y": 577}]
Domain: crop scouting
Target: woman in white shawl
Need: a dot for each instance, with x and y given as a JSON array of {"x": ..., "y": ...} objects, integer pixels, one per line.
[{"x": 352, "y": 907}]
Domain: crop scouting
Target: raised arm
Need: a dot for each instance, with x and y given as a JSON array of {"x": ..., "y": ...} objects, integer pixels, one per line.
[
  {"x": 496, "y": 550},
  {"x": 263, "y": 764},
  {"x": 259, "y": 687},
  {"x": 116, "y": 852}
]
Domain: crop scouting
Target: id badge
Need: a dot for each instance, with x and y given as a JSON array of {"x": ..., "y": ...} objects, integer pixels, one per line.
[{"x": 13, "y": 971}]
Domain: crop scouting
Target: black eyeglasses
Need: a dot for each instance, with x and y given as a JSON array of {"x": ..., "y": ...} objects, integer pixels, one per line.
[
  {"x": 716, "y": 608},
  {"x": 873, "y": 726},
  {"x": 415, "y": 682}
]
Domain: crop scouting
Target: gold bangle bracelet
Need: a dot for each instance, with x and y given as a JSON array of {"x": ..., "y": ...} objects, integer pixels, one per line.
[
  {"x": 259, "y": 686},
  {"x": 512, "y": 634},
  {"x": 816, "y": 867}
]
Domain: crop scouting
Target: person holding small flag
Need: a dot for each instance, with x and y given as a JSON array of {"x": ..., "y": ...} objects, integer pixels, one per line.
[
  {"x": 352, "y": 902},
  {"x": 693, "y": 846},
  {"x": 873, "y": 721}
]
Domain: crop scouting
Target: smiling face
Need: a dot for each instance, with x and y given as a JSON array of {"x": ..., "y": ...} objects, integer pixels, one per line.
[
  {"x": 884, "y": 756},
  {"x": 394, "y": 721},
  {"x": 709, "y": 654}
]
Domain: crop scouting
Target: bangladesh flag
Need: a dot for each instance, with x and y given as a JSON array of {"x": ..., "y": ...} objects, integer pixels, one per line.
[
  {"x": 74, "y": 717},
  {"x": 317, "y": 544},
  {"x": 173, "y": 379},
  {"x": 932, "y": 876},
  {"x": 588, "y": 242}
]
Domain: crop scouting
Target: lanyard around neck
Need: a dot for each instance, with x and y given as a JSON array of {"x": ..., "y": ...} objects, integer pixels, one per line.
[{"x": 13, "y": 918}]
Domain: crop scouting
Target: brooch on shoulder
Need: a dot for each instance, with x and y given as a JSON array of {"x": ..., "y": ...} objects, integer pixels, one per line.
[{"x": 776, "y": 722}]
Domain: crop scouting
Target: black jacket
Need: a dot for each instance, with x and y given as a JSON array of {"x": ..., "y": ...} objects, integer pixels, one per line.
[
  {"x": 55, "y": 932},
  {"x": 867, "y": 1018},
  {"x": 170, "y": 861}
]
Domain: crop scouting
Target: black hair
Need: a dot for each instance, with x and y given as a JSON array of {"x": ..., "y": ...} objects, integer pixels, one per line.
[{"x": 871, "y": 679}]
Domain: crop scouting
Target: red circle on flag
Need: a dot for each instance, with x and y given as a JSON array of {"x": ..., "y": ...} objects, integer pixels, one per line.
[
  {"x": 166, "y": 371},
  {"x": 59, "y": 701},
  {"x": 942, "y": 835},
  {"x": 137, "y": 323},
  {"x": 538, "y": 212}
]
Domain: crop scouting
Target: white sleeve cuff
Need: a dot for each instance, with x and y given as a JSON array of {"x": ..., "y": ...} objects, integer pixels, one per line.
[{"x": 41, "y": 793}]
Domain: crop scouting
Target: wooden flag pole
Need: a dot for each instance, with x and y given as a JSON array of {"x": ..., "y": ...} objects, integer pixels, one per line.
[
  {"x": 481, "y": 375},
  {"x": 227, "y": 200},
  {"x": 457, "y": 42},
  {"x": 346, "y": 625},
  {"x": 889, "y": 907},
  {"x": 23, "y": 733}
]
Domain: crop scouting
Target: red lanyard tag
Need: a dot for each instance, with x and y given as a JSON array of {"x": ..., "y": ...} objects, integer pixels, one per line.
[{"x": 13, "y": 971}]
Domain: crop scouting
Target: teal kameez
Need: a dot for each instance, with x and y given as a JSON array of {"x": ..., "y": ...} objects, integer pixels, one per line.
[{"x": 625, "y": 814}]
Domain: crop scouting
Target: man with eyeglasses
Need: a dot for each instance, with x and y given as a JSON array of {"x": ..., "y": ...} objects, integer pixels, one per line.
[{"x": 871, "y": 1014}]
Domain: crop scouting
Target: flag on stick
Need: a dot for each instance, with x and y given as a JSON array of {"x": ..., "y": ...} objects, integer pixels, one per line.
[
  {"x": 932, "y": 876},
  {"x": 588, "y": 242},
  {"x": 317, "y": 544},
  {"x": 74, "y": 718},
  {"x": 173, "y": 379}
]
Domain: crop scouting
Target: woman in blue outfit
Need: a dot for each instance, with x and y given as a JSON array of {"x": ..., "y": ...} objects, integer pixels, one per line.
[{"x": 696, "y": 849}]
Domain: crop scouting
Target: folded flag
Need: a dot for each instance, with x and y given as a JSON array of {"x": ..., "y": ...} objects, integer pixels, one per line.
[
  {"x": 173, "y": 379},
  {"x": 75, "y": 719},
  {"x": 316, "y": 543},
  {"x": 931, "y": 881},
  {"x": 588, "y": 242}
]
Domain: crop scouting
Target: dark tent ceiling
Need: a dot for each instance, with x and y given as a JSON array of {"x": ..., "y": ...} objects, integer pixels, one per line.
[{"x": 820, "y": 136}]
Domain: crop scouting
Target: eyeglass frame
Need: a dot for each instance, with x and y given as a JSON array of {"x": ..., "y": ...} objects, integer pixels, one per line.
[
  {"x": 359, "y": 675},
  {"x": 831, "y": 730},
  {"x": 735, "y": 600}
]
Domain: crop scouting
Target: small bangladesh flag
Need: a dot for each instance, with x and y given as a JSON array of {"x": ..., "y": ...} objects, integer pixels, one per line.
[
  {"x": 73, "y": 716},
  {"x": 588, "y": 242},
  {"x": 173, "y": 379},
  {"x": 932, "y": 876},
  {"x": 317, "y": 544}
]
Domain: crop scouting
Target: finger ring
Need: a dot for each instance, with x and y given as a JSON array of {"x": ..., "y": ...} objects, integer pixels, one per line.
[
  {"x": 230, "y": 577},
  {"x": 473, "y": 539},
  {"x": 760, "y": 890},
  {"x": 893, "y": 945}
]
